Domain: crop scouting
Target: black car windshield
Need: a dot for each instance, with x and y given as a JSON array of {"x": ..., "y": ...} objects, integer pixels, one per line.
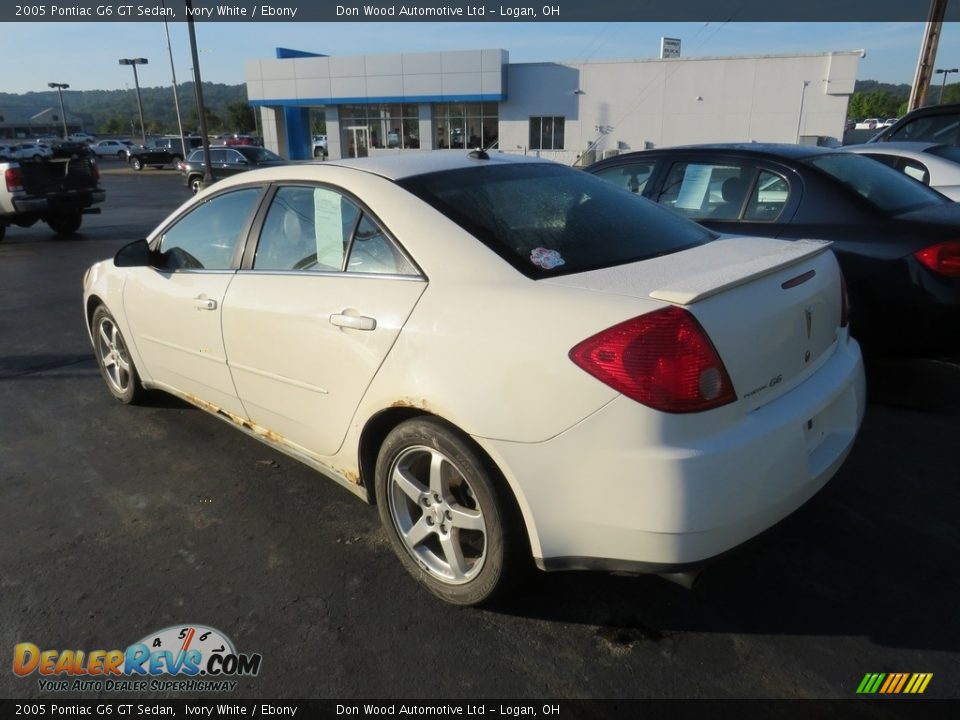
[
  {"x": 548, "y": 220},
  {"x": 259, "y": 154},
  {"x": 887, "y": 189},
  {"x": 950, "y": 152}
]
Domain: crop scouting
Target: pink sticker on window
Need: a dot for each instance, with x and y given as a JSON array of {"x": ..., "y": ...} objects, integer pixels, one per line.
[{"x": 546, "y": 258}]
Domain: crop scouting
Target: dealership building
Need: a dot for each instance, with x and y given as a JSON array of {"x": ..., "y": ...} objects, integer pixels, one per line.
[{"x": 410, "y": 102}]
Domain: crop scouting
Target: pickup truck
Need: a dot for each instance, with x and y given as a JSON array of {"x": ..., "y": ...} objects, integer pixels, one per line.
[
  {"x": 164, "y": 151},
  {"x": 58, "y": 190}
]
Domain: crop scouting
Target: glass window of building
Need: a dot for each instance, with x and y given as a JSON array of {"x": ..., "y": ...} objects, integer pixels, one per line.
[
  {"x": 465, "y": 125},
  {"x": 393, "y": 125},
  {"x": 546, "y": 133}
]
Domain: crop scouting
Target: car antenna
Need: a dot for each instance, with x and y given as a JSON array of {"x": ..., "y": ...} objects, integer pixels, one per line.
[{"x": 478, "y": 154}]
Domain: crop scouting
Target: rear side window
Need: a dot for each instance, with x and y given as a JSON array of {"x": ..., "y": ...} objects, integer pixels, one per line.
[
  {"x": 768, "y": 197},
  {"x": 317, "y": 229},
  {"x": 705, "y": 190},
  {"x": 548, "y": 220}
]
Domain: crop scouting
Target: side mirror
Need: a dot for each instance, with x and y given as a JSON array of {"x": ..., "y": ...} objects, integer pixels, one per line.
[{"x": 135, "y": 254}]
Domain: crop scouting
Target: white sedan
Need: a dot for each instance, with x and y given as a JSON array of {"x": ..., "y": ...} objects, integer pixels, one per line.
[
  {"x": 31, "y": 151},
  {"x": 512, "y": 358},
  {"x": 112, "y": 148},
  {"x": 933, "y": 164}
]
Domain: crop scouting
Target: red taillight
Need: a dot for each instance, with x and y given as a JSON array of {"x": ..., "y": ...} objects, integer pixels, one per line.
[
  {"x": 14, "y": 179},
  {"x": 844, "y": 302},
  {"x": 943, "y": 258},
  {"x": 664, "y": 360},
  {"x": 95, "y": 171}
]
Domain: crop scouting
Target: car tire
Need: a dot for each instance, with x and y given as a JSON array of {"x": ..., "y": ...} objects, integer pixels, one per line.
[
  {"x": 66, "y": 223},
  {"x": 121, "y": 155},
  {"x": 136, "y": 164},
  {"x": 113, "y": 359},
  {"x": 38, "y": 157},
  {"x": 3, "y": 231},
  {"x": 195, "y": 183},
  {"x": 447, "y": 513}
]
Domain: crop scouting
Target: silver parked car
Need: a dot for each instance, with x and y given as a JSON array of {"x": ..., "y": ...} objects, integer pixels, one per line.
[{"x": 931, "y": 163}]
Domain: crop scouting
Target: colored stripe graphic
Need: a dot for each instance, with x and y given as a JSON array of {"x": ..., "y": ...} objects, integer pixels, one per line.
[{"x": 894, "y": 683}]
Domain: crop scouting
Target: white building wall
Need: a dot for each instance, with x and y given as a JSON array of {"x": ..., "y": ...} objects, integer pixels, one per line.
[{"x": 629, "y": 105}]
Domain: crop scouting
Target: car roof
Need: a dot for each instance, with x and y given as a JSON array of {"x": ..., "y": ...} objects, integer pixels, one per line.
[
  {"x": 768, "y": 150},
  {"x": 396, "y": 167},
  {"x": 894, "y": 148}
]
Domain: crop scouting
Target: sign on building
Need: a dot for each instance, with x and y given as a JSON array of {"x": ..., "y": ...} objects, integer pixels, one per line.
[{"x": 669, "y": 47}]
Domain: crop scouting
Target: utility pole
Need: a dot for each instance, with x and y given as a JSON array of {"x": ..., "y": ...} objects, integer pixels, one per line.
[
  {"x": 63, "y": 115},
  {"x": 208, "y": 177},
  {"x": 176, "y": 99},
  {"x": 928, "y": 54},
  {"x": 133, "y": 62}
]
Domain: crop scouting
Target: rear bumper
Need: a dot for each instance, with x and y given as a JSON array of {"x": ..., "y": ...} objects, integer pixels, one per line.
[
  {"x": 70, "y": 200},
  {"x": 632, "y": 489}
]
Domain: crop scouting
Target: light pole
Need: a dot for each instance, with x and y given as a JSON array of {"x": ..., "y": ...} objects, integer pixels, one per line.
[
  {"x": 136, "y": 81},
  {"x": 944, "y": 72},
  {"x": 63, "y": 116},
  {"x": 803, "y": 93}
]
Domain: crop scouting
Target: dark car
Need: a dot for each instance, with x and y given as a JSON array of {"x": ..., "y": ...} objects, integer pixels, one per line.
[
  {"x": 936, "y": 123},
  {"x": 898, "y": 241},
  {"x": 226, "y": 161}
]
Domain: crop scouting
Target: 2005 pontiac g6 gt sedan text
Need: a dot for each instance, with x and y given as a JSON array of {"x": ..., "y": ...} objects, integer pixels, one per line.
[{"x": 512, "y": 358}]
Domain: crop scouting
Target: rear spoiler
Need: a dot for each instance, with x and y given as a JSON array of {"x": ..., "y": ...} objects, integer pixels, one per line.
[{"x": 726, "y": 274}]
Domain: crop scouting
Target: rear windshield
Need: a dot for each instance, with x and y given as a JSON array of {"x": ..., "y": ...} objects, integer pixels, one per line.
[
  {"x": 548, "y": 220},
  {"x": 888, "y": 190}
]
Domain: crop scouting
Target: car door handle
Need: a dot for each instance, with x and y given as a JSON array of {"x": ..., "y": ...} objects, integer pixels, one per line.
[
  {"x": 354, "y": 322},
  {"x": 202, "y": 303}
]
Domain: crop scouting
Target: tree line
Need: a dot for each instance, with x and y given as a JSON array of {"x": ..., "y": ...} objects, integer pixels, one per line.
[
  {"x": 872, "y": 99},
  {"x": 114, "y": 112}
]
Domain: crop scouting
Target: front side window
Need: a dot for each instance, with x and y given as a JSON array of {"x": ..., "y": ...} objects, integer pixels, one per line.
[
  {"x": 546, "y": 133},
  {"x": 206, "y": 237}
]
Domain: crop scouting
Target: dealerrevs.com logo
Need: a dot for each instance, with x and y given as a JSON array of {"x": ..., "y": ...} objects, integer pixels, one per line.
[{"x": 201, "y": 659}]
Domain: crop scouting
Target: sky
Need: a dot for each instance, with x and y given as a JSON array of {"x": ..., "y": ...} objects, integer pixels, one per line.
[{"x": 87, "y": 53}]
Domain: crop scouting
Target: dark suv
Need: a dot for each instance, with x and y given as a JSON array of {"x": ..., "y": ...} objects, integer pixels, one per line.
[
  {"x": 935, "y": 123},
  {"x": 226, "y": 161}
]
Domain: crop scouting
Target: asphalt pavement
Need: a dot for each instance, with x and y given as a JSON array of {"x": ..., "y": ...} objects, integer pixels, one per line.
[{"x": 119, "y": 521}]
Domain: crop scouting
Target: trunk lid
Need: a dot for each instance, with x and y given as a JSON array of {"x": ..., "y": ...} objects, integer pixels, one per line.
[{"x": 771, "y": 308}]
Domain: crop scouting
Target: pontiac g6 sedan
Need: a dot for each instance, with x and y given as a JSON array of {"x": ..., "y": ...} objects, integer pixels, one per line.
[{"x": 512, "y": 358}]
